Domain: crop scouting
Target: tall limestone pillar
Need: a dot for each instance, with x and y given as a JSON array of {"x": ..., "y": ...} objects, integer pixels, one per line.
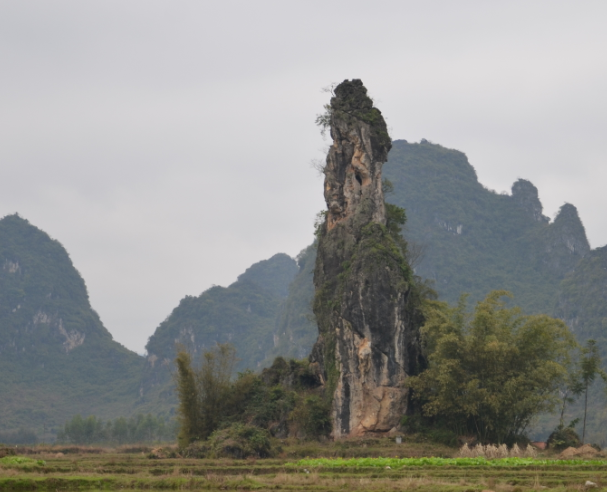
[{"x": 367, "y": 343}]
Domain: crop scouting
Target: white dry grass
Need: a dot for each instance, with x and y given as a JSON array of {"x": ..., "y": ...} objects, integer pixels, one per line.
[
  {"x": 530, "y": 451},
  {"x": 492, "y": 452}
]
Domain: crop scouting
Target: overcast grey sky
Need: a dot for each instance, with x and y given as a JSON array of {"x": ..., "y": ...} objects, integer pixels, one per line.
[{"x": 167, "y": 144}]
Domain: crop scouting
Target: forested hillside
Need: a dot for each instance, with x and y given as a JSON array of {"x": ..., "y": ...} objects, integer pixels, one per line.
[
  {"x": 56, "y": 357},
  {"x": 582, "y": 301},
  {"x": 296, "y": 329},
  {"x": 476, "y": 240},
  {"x": 243, "y": 314}
]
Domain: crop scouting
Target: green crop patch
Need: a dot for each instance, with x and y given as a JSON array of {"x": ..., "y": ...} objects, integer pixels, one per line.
[
  {"x": 396, "y": 463},
  {"x": 20, "y": 461}
]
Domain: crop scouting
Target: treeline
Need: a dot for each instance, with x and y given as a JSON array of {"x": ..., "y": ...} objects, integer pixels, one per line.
[
  {"x": 488, "y": 374},
  {"x": 492, "y": 371},
  {"x": 20, "y": 436},
  {"x": 138, "y": 429}
]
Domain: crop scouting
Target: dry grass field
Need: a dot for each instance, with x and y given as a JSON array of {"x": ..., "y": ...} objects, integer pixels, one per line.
[{"x": 139, "y": 467}]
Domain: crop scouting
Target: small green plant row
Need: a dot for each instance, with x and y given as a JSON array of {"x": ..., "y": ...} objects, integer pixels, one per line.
[
  {"x": 403, "y": 462},
  {"x": 20, "y": 461}
]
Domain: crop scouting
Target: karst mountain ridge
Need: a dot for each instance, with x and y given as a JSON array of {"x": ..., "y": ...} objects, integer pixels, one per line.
[{"x": 58, "y": 359}]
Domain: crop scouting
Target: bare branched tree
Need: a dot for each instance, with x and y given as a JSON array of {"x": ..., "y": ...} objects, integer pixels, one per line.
[{"x": 415, "y": 253}]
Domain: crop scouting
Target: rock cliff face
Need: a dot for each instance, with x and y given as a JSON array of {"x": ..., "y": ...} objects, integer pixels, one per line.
[
  {"x": 368, "y": 340},
  {"x": 564, "y": 241}
]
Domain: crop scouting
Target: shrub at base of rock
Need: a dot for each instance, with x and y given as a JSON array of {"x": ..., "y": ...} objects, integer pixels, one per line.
[
  {"x": 197, "y": 449},
  {"x": 563, "y": 438},
  {"x": 240, "y": 441}
]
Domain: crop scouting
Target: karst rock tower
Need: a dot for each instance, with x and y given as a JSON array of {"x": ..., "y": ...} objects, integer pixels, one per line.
[{"x": 364, "y": 302}]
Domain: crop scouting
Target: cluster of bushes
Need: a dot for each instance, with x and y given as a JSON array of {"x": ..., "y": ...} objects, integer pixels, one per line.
[
  {"x": 564, "y": 437},
  {"x": 236, "y": 441},
  {"x": 489, "y": 373},
  {"x": 219, "y": 416},
  {"x": 138, "y": 429}
]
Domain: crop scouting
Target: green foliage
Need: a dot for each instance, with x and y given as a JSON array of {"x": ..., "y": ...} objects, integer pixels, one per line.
[
  {"x": 582, "y": 304},
  {"x": 214, "y": 388},
  {"x": 564, "y": 437},
  {"x": 204, "y": 393},
  {"x": 319, "y": 223},
  {"x": 312, "y": 415},
  {"x": 387, "y": 186},
  {"x": 296, "y": 328},
  {"x": 490, "y": 373},
  {"x": 323, "y": 120},
  {"x": 395, "y": 219},
  {"x": 475, "y": 239},
  {"x": 56, "y": 357},
  {"x": 582, "y": 301},
  {"x": 590, "y": 368},
  {"x": 20, "y": 461},
  {"x": 243, "y": 314},
  {"x": 281, "y": 396},
  {"x": 350, "y": 101},
  {"x": 397, "y": 463},
  {"x": 187, "y": 392},
  {"x": 273, "y": 275},
  {"x": 240, "y": 441},
  {"x": 138, "y": 429}
]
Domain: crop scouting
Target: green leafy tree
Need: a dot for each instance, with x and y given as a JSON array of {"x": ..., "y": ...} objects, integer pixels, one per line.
[
  {"x": 491, "y": 372},
  {"x": 214, "y": 388},
  {"x": 120, "y": 430},
  {"x": 572, "y": 387},
  {"x": 590, "y": 368},
  {"x": 187, "y": 392},
  {"x": 287, "y": 394},
  {"x": 204, "y": 393},
  {"x": 137, "y": 429}
]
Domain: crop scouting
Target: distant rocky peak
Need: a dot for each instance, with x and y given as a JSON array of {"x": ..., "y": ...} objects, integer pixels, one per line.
[
  {"x": 274, "y": 274},
  {"x": 568, "y": 228},
  {"x": 360, "y": 147},
  {"x": 525, "y": 195}
]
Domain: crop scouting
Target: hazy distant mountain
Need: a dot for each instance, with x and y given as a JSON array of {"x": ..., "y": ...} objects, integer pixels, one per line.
[
  {"x": 296, "y": 329},
  {"x": 56, "y": 357},
  {"x": 243, "y": 314},
  {"x": 58, "y": 360},
  {"x": 582, "y": 301},
  {"x": 476, "y": 240}
]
